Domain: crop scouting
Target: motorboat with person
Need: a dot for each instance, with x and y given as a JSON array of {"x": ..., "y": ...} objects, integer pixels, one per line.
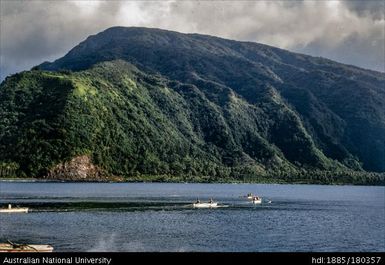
[
  {"x": 257, "y": 200},
  {"x": 209, "y": 204}
]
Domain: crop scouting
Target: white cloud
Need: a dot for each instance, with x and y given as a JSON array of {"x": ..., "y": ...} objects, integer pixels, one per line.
[
  {"x": 132, "y": 14},
  {"x": 87, "y": 8},
  {"x": 351, "y": 32}
]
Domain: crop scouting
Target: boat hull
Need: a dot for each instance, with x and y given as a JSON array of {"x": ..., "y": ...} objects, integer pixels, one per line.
[
  {"x": 6, "y": 247},
  {"x": 205, "y": 205},
  {"x": 14, "y": 210}
]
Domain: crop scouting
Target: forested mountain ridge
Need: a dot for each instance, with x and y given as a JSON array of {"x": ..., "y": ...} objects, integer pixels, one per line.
[{"x": 140, "y": 102}]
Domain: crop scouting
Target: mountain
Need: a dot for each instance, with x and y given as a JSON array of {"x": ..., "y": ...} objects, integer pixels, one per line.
[{"x": 138, "y": 103}]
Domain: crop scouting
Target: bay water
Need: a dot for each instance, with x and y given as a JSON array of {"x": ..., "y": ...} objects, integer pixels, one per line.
[{"x": 159, "y": 217}]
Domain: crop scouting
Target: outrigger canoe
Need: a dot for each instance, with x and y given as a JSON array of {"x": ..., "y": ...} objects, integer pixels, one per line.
[{"x": 12, "y": 247}]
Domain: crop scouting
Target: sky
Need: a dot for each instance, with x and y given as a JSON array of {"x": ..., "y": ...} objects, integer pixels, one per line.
[{"x": 350, "y": 31}]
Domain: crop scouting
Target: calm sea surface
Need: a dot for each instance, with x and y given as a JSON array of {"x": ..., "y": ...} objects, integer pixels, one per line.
[{"x": 160, "y": 217}]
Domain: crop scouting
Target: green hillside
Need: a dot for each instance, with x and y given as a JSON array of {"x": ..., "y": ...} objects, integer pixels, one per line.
[{"x": 145, "y": 104}]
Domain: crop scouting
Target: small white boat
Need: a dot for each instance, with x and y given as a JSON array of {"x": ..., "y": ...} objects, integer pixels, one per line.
[
  {"x": 205, "y": 205},
  {"x": 257, "y": 200},
  {"x": 14, "y": 210},
  {"x": 12, "y": 247},
  {"x": 210, "y": 204}
]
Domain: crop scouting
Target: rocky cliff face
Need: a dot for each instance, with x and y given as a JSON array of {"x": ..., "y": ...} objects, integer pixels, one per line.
[{"x": 79, "y": 168}]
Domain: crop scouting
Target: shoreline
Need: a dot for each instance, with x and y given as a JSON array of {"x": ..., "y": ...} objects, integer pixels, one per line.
[{"x": 175, "y": 181}]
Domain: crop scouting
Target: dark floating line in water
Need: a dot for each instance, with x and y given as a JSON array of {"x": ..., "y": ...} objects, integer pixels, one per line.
[
  {"x": 87, "y": 206},
  {"x": 79, "y": 205}
]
